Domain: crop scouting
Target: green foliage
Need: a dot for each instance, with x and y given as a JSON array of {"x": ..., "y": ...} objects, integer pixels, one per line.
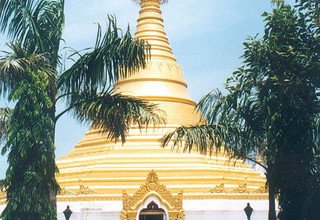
[
  {"x": 198, "y": 136},
  {"x": 113, "y": 113},
  {"x": 14, "y": 65},
  {"x": 226, "y": 127},
  {"x": 310, "y": 10},
  {"x": 312, "y": 204},
  {"x": 285, "y": 68},
  {"x": 25, "y": 77},
  {"x": 30, "y": 176},
  {"x": 36, "y": 24},
  {"x": 85, "y": 86},
  {"x": 5, "y": 115},
  {"x": 114, "y": 56}
]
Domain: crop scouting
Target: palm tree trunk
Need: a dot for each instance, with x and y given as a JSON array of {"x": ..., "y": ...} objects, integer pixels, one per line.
[
  {"x": 53, "y": 199},
  {"x": 53, "y": 192},
  {"x": 272, "y": 200}
]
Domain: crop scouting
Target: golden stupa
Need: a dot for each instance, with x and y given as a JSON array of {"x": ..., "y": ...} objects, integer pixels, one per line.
[{"x": 99, "y": 170}]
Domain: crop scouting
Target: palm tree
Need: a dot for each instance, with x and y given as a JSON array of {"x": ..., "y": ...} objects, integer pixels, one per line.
[{"x": 29, "y": 78}]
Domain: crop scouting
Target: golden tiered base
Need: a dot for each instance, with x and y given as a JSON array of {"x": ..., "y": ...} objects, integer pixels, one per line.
[{"x": 98, "y": 169}]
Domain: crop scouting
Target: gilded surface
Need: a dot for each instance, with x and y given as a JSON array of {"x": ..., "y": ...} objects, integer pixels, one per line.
[
  {"x": 262, "y": 189},
  {"x": 109, "y": 167},
  {"x": 2, "y": 196},
  {"x": 65, "y": 192},
  {"x": 85, "y": 190},
  {"x": 241, "y": 189},
  {"x": 152, "y": 187},
  {"x": 162, "y": 80},
  {"x": 218, "y": 189}
]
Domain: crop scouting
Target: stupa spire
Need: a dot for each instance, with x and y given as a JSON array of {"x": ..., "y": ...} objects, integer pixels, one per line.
[
  {"x": 162, "y": 81},
  {"x": 150, "y": 27}
]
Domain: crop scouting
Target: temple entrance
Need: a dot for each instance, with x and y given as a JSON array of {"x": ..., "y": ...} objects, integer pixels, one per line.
[
  {"x": 153, "y": 201},
  {"x": 152, "y": 212}
]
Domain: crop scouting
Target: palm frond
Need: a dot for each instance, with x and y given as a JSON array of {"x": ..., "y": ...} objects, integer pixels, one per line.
[
  {"x": 113, "y": 113},
  {"x": 114, "y": 56},
  {"x": 209, "y": 106},
  {"x": 5, "y": 116},
  {"x": 51, "y": 24},
  {"x": 228, "y": 125},
  {"x": 209, "y": 139},
  {"x": 36, "y": 24},
  {"x": 16, "y": 64},
  {"x": 200, "y": 137}
]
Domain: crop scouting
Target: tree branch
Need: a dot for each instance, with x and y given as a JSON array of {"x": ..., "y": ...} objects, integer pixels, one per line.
[
  {"x": 61, "y": 96},
  {"x": 256, "y": 162},
  {"x": 62, "y": 113}
]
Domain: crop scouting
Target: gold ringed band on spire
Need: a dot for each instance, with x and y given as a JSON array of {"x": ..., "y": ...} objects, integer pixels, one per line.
[{"x": 142, "y": 1}]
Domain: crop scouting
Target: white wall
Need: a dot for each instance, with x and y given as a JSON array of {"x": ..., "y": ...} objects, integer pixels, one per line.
[
  {"x": 92, "y": 216},
  {"x": 194, "y": 210}
]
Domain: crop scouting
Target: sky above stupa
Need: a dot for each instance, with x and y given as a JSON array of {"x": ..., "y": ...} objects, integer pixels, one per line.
[{"x": 206, "y": 37}]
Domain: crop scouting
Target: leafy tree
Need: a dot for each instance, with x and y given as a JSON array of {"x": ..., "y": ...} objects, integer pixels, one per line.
[
  {"x": 30, "y": 176},
  {"x": 29, "y": 78},
  {"x": 271, "y": 108}
]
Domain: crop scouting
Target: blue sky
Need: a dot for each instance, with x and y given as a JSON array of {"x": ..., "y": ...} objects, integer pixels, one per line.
[{"x": 205, "y": 35}]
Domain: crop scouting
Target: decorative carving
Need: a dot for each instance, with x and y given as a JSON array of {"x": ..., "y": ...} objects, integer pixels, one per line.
[
  {"x": 152, "y": 181},
  {"x": 84, "y": 190},
  {"x": 261, "y": 189},
  {"x": 218, "y": 189},
  {"x": 66, "y": 192},
  {"x": 124, "y": 215},
  {"x": 241, "y": 189},
  {"x": 147, "y": 15},
  {"x": 181, "y": 216},
  {"x": 152, "y": 187}
]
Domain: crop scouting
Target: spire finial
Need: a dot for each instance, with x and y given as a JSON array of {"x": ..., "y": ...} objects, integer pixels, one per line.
[{"x": 150, "y": 27}]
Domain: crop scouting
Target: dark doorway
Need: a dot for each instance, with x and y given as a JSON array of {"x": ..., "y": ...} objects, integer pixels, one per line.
[{"x": 152, "y": 212}]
